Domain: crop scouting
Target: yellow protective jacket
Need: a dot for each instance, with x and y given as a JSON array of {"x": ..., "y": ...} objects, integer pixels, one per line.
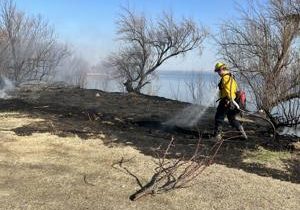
[{"x": 227, "y": 86}]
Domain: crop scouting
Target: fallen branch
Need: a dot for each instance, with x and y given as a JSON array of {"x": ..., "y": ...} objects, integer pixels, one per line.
[
  {"x": 174, "y": 174},
  {"x": 120, "y": 163}
]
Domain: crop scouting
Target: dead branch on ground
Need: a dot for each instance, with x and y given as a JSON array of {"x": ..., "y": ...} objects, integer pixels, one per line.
[{"x": 172, "y": 174}]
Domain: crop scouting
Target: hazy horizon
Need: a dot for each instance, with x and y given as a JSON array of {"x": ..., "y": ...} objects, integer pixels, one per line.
[{"x": 90, "y": 27}]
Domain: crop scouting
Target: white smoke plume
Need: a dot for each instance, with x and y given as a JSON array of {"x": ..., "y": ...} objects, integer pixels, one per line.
[
  {"x": 291, "y": 131},
  {"x": 191, "y": 115},
  {"x": 5, "y": 86},
  {"x": 188, "y": 117}
]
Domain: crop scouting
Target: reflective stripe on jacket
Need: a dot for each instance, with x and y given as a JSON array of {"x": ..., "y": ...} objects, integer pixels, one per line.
[{"x": 227, "y": 86}]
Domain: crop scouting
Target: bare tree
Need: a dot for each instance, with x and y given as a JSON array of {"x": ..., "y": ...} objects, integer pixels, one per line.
[
  {"x": 74, "y": 71},
  {"x": 146, "y": 45},
  {"x": 31, "y": 48},
  {"x": 263, "y": 46},
  {"x": 105, "y": 79}
]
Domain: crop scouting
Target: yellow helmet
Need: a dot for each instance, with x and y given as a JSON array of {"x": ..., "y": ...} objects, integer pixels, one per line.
[{"x": 219, "y": 65}]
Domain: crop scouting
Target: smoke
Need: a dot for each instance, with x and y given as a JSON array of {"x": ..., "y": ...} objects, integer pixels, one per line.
[
  {"x": 188, "y": 117},
  {"x": 5, "y": 86},
  {"x": 291, "y": 131},
  {"x": 191, "y": 115}
]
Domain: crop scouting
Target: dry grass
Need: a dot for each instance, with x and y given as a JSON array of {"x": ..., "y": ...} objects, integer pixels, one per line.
[{"x": 44, "y": 171}]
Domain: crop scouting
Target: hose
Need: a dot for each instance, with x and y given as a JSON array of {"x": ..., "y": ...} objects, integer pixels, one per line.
[{"x": 261, "y": 117}]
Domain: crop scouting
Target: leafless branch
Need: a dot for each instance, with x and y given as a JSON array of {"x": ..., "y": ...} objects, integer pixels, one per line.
[
  {"x": 28, "y": 47},
  {"x": 263, "y": 47},
  {"x": 145, "y": 46},
  {"x": 178, "y": 173}
]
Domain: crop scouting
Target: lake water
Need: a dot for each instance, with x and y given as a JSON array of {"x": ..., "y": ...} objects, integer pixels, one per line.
[{"x": 194, "y": 87}]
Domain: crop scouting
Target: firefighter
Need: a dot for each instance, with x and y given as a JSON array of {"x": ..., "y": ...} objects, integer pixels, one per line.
[{"x": 227, "y": 104}]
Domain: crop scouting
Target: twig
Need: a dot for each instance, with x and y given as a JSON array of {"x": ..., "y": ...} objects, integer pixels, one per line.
[
  {"x": 86, "y": 182},
  {"x": 120, "y": 163}
]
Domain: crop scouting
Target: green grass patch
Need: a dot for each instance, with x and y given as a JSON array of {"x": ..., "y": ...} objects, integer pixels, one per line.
[{"x": 264, "y": 156}]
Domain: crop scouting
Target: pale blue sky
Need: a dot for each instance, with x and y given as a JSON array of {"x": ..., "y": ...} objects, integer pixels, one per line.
[{"x": 89, "y": 25}]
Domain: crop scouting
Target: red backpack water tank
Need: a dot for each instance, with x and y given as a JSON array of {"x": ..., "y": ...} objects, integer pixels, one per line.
[{"x": 241, "y": 99}]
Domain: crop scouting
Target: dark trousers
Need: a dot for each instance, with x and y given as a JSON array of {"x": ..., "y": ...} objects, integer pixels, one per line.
[{"x": 224, "y": 110}]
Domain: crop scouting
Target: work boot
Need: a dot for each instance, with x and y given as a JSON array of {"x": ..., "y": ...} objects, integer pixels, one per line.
[
  {"x": 241, "y": 129},
  {"x": 218, "y": 135}
]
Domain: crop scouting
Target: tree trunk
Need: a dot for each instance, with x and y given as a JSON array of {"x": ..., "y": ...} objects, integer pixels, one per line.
[
  {"x": 130, "y": 89},
  {"x": 128, "y": 86}
]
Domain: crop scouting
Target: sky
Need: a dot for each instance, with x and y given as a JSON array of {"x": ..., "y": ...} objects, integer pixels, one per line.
[{"x": 89, "y": 26}]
